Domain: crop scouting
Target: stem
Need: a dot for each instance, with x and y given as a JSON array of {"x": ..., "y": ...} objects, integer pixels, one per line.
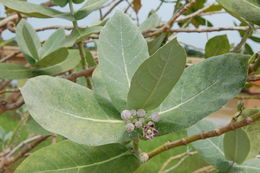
[
  {"x": 204, "y": 135},
  {"x": 243, "y": 40},
  {"x": 136, "y": 145},
  {"x": 80, "y": 45}
]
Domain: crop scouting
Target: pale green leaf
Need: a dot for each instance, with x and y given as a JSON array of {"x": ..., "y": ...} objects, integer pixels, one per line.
[
  {"x": 88, "y": 8},
  {"x": 211, "y": 149},
  {"x": 247, "y": 9},
  {"x": 14, "y": 71},
  {"x": 203, "y": 89},
  {"x": 71, "y": 61},
  {"x": 236, "y": 145},
  {"x": 151, "y": 22},
  {"x": 249, "y": 166},
  {"x": 28, "y": 41},
  {"x": 71, "y": 110},
  {"x": 217, "y": 45},
  {"x": 53, "y": 43},
  {"x": 156, "y": 43},
  {"x": 156, "y": 77},
  {"x": 70, "y": 157},
  {"x": 60, "y": 3},
  {"x": 121, "y": 49},
  {"x": 35, "y": 10}
]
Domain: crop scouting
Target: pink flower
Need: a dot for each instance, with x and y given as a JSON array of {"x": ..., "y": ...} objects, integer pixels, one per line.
[{"x": 149, "y": 130}]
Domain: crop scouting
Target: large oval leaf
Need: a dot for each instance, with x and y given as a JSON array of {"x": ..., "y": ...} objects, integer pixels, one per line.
[
  {"x": 122, "y": 49},
  {"x": 248, "y": 9},
  {"x": 155, "y": 78},
  {"x": 202, "y": 89},
  {"x": 71, "y": 110},
  {"x": 70, "y": 157},
  {"x": 35, "y": 10},
  {"x": 236, "y": 145},
  {"x": 211, "y": 149},
  {"x": 249, "y": 166},
  {"x": 151, "y": 22}
]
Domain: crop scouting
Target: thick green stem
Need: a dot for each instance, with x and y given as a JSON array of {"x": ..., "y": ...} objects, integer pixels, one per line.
[
  {"x": 136, "y": 145},
  {"x": 81, "y": 46}
]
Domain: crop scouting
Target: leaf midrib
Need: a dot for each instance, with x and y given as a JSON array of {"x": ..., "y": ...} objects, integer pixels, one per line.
[
  {"x": 85, "y": 166},
  {"x": 190, "y": 99}
]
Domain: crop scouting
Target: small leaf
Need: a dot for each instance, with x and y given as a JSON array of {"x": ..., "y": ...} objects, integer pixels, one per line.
[
  {"x": 88, "y": 8},
  {"x": 61, "y": 3},
  {"x": 155, "y": 78},
  {"x": 69, "y": 157},
  {"x": 151, "y": 22},
  {"x": 71, "y": 61},
  {"x": 236, "y": 145},
  {"x": 156, "y": 43},
  {"x": 121, "y": 49},
  {"x": 211, "y": 149},
  {"x": 71, "y": 110},
  {"x": 14, "y": 71},
  {"x": 28, "y": 41},
  {"x": 217, "y": 45},
  {"x": 35, "y": 10},
  {"x": 137, "y": 5},
  {"x": 207, "y": 83},
  {"x": 248, "y": 9},
  {"x": 53, "y": 43}
]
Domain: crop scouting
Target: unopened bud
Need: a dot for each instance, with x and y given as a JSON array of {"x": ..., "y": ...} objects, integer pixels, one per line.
[
  {"x": 125, "y": 114},
  {"x": 138, "y": 124},
  {"x": 130, "y": 127},
  {"x": 155, "y": 117},
  {"x": 143, "y": 157},
  {"x": 140, "y": 113},
  {"x": 133, "y": 112}
]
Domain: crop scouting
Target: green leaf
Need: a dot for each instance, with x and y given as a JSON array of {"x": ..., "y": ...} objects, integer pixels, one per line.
[
  {"x": 53, "y": 43},
  {"x": 151, "y": 22},
  {"x": 88, "y": 8},
  {"x": 53, "y": 58},
  {"x": 207, "y": 83},
  {"x": 156, "y": 43},
  {"x": 14, "y": 71},
  {"x": 35, "y": 10},
  {"x": 253, "y": 132},
  {"x": 71, "y": 110},
  {"x": 211, "y": 149},
  {"x": 155, "y": 78},
  {"x": 236, "y": 145},
  {"x": 80, "y": 34},
  {"x": 28, "y": 41},
  {"x": 121, "y": 49},
  {"x": 248, "y": 9},
  {"x": 217, "y": 45},
  {"x": 71, "y": 157},
  {"x": 71, "y": 61},
  {"x": 249, "y": 166},
  {"x": 61, "y": 3}
]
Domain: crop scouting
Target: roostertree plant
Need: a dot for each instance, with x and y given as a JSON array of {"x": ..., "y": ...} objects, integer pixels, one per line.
[
  {"x": 136, "y": 96},
  {"x": 139, "y": 96}
]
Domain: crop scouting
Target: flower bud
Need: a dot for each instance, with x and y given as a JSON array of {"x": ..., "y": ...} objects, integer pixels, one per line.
[
  {"x": 138, "y": 124},
  {"x": 142, "y": 120},
  {"x": 140, "y": 113},
  {"x": 143, "y": 157},
  {"x": 133, "y": 112},
  {"x": 155, "y": 117},
  {"x": 125, "y": 114},
  {"x": 130, "y": 127}
]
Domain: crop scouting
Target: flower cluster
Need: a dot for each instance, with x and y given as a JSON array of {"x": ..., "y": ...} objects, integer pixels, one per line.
[{"x": 138, "y": 119}]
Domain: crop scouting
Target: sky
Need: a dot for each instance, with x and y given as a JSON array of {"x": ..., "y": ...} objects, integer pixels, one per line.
[{"x": 197, "y": 39}]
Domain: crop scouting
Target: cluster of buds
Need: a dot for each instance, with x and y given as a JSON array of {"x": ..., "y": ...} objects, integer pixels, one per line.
[{"x": 138, "y": 119}]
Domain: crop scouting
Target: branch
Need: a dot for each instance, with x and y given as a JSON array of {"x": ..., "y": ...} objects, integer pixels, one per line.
[
  {"x": 204, "y": 135},
  {"x": 4, "y": 106},
  {"x": 87, "y": 72},
  {"x": 207, "y": 169},
  {"x": 111, "y": 9}
]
